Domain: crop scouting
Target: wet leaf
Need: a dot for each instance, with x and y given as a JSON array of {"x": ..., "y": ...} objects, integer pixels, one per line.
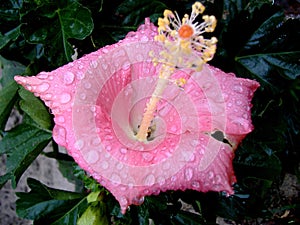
[
  {"x": 46, "y": 205},
  {"x": 22, "y": 145},
  {"x": 55, "y": 24},
  {"x": 7, "y": 101},
  {"x": 35, "y": 109}
]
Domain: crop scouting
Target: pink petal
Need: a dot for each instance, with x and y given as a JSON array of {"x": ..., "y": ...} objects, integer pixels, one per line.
[{"x": 98, "y": 102}]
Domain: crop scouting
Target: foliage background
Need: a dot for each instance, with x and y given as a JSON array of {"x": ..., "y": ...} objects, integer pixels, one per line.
[{"x": 257, "y": 39}]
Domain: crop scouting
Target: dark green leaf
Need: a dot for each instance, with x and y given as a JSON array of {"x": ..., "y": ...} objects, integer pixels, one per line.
[
  {"x": 22, "y": 145},
  {"x": 9, "y": 36},
  {"x": 7, "y": 101},
  {"x": 136, "y": 11},
  {"x": 261, "y": 65},
  {"x": 187, "y": 218},
  {"x": 46, "y": 205},
  {"x": 55, "y": 24},
  {"x": 34, "y": 108},
  {"x": 9, "y": 69}
]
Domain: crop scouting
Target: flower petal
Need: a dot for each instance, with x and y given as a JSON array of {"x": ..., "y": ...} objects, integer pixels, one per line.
[{"x": 98, "y": 101}]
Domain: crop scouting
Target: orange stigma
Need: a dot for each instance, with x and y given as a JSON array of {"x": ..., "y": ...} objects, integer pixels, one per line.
[{"x": 185, "y": 31}]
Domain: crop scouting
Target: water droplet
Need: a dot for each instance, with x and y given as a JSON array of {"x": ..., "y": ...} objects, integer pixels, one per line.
[
  {"x": 80, "y": 66},
  {"x": 139, "y": 57},
  {"x": 104, "y": 66},
  {"x": 108, "y": 137},
  {"x": 68, "y": 78},
  {"x": 149, "y": 180},
  {"x": 161, "y": 180},
  {"x": 166, "y": 166},
  {"x": 138, "y": 200},
  {"x": 96, "y": 141},
  {"x": 43, "y": 75},
  {"x": 92, "y": 157},
  {"x": 87, "y": 85},
  {"x": 93, "y": 108},
  {"x": 72, "y": 25},
  {"x": 238, "y": 88},
  {"x": 104, "y": 165},
  {"x": 120, "y": 166},
  {"x": 144, "y": 39},
  {"x": 147, "y": 156},
  {"x": 65, "y": 98},
  {"x": 105, "y": 50},
  {"x": 123, "y": 201},
  {"x": 108, "y": 148},
  {"x": 116, "y": 178},
  {"x": 82, "y": 96},
  {"x": 238, "y": 102},
  {"x": 174, "y": 128},
  {"x": 60, "y": 119},
  {"x": 210, "y": 175},
  {"x": 126, "y": 66},
  {"x": 79, "y": 144},
  {"x": 94, "y": 64},
  {"x": 188, "y": 174},
  {"x": 229, "y": 104},
  {"x": 43, "y": 87},
  {"x": 80, "y": 75},
  {"x": 60, "y": 134},
  {"x": 196, "y": 184},
  {"x": 194, "y": 143},
  {"x": 123, "y": 150},
  {"x": 245, "y": 116}
]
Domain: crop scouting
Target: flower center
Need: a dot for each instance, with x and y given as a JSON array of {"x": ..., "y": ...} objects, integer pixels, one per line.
[{"x": 185, "y": 31}]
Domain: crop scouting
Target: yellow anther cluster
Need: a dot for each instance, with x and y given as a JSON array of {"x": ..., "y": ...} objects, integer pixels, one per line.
[{"x": 185, "y": 47}]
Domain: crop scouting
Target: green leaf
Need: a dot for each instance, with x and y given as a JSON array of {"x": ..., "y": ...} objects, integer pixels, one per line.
[
  {"x": 94, "y": 215},
  {"x": 136, "y": 11},
  {"x": 272, "y": 50},
  {"x": 46, "y": 205},
  {"x": 9, "y": 36},
  {"x": 55, "y": 24},
  {"x": 9, "y": 69},
  {"x": 22, "y": 145},
  {"x": 7, "y": 101},
  {"x": 32, "y": 106},
  {"x": 261, "y": 65}
]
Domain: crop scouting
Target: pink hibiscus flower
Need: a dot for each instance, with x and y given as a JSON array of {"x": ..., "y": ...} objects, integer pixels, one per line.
[{"x": 99, "y": 102}]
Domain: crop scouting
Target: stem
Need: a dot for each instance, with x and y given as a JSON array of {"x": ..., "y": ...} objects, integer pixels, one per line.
[{"x": 148, "y": 116}]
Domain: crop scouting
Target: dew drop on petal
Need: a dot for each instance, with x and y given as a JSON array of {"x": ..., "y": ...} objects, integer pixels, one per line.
[
  {"x": 80, "y": 75},
  {"x": 188, "y": 174},
  {"x": 87, "y": 85},
  {"x": 108, "y": 148},
  {"x": 149, "y": 180},
  {"x": 104, "y": 165},
  {"x": 196, "y": 184},
  {"x": 161, "y": 180},
  {"x": 120, "y": 166},
  {"x": 210, "y": 175},
  {"x": 115, "y": 178},
  {"x": 82, "y": 96},
  {"x": 60, "y": 119},
  {"x": 147, "y": 156},
  {"x": 123, "y": 200},
  {"x": 94, "y": 64},
  {"x": 123, "y": 150},
  {"x": 79, "y": 144},
  {"x": 138, "y": 200},
  {"x": 68, "y": 78},
  {"x": 43, "y": 87},
  {"x": 93, "y": 108},
  {"x": 65, "y": 98},
  {"x": 238, "y": 88},
  {"x": 92, "y": 157}
]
